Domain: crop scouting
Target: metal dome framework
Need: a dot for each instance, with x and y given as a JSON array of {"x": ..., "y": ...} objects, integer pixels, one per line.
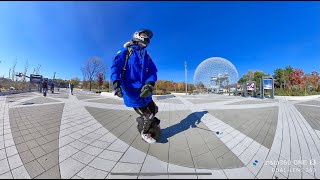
[{"x": 215, "y": 73}]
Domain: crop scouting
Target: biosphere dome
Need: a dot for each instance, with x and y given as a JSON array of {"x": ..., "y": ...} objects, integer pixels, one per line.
[{"x": 213, "y": 71}]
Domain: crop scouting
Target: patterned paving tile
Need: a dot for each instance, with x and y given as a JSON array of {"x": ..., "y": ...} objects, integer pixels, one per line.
[
  {"x": 259, "y": 124},
  {"x": 38, "y": 100},
  {"x": 180, "y": 131},
  {"x": 39, "y": 150},
  {"x": 311, "y": 114}
]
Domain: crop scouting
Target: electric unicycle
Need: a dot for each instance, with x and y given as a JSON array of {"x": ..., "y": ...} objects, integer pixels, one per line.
[{"x": 154, "y": 129}]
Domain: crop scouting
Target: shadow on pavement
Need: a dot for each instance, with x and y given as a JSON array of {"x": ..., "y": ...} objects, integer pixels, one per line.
[
  {"x": 28, "y": 103},
  {"x": 190, "y": 121}
]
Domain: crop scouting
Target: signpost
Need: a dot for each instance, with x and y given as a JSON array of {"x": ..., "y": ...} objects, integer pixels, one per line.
[
  {"x": 249, "y": 86},
  {"x": 36, "y": 79},
  {"x": 267, "y": 83}
]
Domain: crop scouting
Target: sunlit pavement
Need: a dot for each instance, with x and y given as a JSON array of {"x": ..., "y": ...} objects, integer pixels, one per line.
[{"x": 86, "y": 135}]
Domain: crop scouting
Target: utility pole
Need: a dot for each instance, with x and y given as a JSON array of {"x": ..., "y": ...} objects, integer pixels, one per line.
[{"x": 186, "y": 76}]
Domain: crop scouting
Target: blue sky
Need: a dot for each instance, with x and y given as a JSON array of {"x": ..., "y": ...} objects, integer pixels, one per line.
[{"x": 60, "y": 36}]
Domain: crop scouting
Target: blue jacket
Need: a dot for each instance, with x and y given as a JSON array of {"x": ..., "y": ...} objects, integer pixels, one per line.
[{"x": 140, "y": 69}]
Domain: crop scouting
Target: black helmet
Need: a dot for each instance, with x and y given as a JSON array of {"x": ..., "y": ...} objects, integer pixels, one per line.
[{"x": 145, "y": 40}]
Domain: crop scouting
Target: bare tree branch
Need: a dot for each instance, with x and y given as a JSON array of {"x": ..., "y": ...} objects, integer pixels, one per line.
[
  {"x": 38, "y": 69},
  {"x": 92, "y": 67},
  {"x": 25, "y": 71},
  {"x": 13, "y": 69}
]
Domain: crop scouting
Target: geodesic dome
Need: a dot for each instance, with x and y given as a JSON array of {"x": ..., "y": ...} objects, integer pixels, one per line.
[{"x": 214, "y": 67}]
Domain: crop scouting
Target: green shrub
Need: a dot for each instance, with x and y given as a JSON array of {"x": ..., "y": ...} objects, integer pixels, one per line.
[{"x": 295, "y": 92}]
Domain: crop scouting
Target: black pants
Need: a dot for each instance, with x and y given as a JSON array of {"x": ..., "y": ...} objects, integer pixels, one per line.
[
  {"x": 147, "y": 113},
  {"x": 44, "y": 91}
]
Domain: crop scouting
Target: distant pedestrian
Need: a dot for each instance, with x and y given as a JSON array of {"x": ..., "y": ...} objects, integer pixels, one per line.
[
  {"x": 71, "y": 88},
  {"x": 52, "y": 87},
  {"x": 45, "y": 87}
]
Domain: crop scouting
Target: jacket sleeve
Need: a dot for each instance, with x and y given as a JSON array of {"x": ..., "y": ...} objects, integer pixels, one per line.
[
  {"x": 117, "y": 65},
  {"x": 152, "y": 74}
]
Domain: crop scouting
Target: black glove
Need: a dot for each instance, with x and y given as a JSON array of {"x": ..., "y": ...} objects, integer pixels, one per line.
[
  {"x": 117, "y": 89},
  {"x": 146, "y": 90}
]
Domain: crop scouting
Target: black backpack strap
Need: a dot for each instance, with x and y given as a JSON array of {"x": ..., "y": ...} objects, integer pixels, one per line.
[
  {"x": 129, "y": 52},
  {"x": 147, "y": 69}
]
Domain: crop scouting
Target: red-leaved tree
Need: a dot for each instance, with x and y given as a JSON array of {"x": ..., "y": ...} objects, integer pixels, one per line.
[
  {"x": 100, "y": 80},
  {"x": 297, "y": 78},
  {"x": 315, "y": 79}
]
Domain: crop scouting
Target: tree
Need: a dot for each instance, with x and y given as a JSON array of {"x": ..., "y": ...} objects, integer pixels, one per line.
[
  {"x": 286, "y": 75},
  {"x": 180, "y": 86},
  {"x": 13, "y": 69},
  {"x": 246, "y": 77},
  {"x": 308, "y": 81},
  {"x": 242, "y": 80},
  {"x": 26, "y": 66},
  {"x": 106, "y": 85},
  {"x": 315, "y": 79},
  {"x": 278, "y": 78},
  {"x": 100, "y": 80},
  {"x": 251, "y": 76},
  {"x": 75, "y": 81},
  {"x": 92, "y": 67},
  {"x": 297, "y": 78},
  {"x": 37, "y": 71},
  {"x": 257, "y": 76},
  {"x": 84, "y": 84},
  {"x": 191, "y": 88},
  {"x": 200, "y": 85}
]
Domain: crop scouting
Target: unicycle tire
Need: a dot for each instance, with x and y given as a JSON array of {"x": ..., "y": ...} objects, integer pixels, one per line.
[{"x": 155, "y": 129}]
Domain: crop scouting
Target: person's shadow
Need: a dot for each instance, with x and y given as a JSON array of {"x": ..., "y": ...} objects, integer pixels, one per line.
[{"x": 189, "y": 122}]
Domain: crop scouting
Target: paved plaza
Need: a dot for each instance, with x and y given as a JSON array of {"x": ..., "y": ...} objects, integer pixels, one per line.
[{"x": 86, "y": 135}]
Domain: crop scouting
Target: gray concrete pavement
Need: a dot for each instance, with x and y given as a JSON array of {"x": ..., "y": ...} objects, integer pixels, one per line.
[{"x": 90, "y": 136}]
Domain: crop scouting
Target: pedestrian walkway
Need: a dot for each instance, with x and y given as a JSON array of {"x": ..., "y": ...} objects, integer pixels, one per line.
[{"x": 86, "y": 135}]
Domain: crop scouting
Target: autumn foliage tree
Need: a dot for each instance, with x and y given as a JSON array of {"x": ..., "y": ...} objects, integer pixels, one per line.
[
  {"x": 315, "y": 79},
  {"x": 166, "y": 87},
  {"x": 297, "y": 78},
  {"x": 100, "y": 80}
]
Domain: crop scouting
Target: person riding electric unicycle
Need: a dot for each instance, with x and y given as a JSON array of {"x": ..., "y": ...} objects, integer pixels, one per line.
[{"x": 134, "y": 75}]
